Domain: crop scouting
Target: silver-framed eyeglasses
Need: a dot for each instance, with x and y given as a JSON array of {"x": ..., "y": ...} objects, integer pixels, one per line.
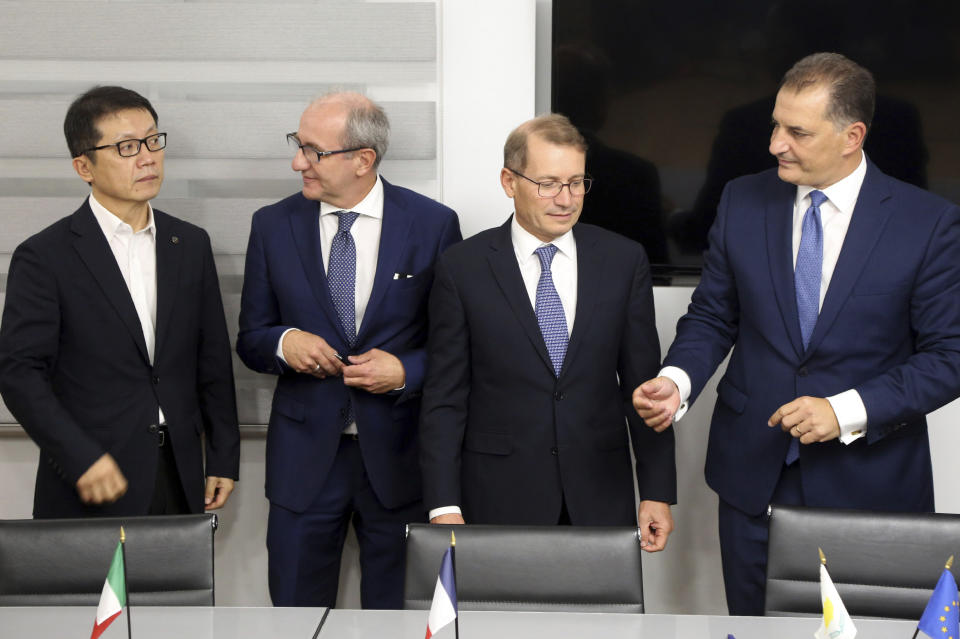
[
  {"x": 131, "y": 147},
  {"x": 315, "y": 155},
  {"x": 553, "y": 188}
]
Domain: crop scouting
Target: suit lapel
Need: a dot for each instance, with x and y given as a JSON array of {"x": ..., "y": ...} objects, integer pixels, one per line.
[
  {"x": 506, "y": 271},
  {"x": 305, "y": 226},
  {"x": 589, "y": 275},
  {"x": 95, "y": 252},
  {"x": 169, "y": 253},
  {"x": 394, "y": 229},
  {"x": 867, "y": 222},
  {"x": 779, "y": 222}
]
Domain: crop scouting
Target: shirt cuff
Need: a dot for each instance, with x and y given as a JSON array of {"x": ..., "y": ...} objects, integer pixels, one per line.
[
  {"x": 682, "y": 380},
  {"x": 851, "y": 415},
  {"x": 443, "y": 510},
  {"x": 280, "y": 344}
]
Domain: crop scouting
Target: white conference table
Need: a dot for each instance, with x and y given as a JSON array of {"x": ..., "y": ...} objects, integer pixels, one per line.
[
  {"x": 293, "y": 623},
  {"x": 412, "y": 624},
  {"x": 149, "y": 622}
]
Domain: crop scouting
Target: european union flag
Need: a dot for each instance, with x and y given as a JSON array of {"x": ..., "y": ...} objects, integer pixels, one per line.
[{"x": 941, "y": 617}]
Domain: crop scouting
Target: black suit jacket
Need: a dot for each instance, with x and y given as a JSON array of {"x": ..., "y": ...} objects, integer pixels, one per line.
[
  {"x": 75, "y": 373},
  {"x": 501, "y": 435}
]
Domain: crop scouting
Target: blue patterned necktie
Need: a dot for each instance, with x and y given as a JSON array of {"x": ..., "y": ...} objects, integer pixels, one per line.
[
  {"x": 342, "y": 274},
  {"x": 549, "y": 310},
  {"x": 806, "y": 280},
  {"x": 342, "y": 279},
  {"x": 809, "y": 269}
]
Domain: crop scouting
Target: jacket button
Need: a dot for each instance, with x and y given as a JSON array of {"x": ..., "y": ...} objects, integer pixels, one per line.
[
  {"x": 802, "y": 372},
  {"x": 558, "y": 395},
  {"x": 554, "y": 451},
  {"x": 156, "y": 379},
  {"x": 152, "y": 428}
]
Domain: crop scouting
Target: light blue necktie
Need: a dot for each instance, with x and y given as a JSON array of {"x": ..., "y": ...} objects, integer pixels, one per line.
[
  {"x": 809, "y": 269},
  {"x": 806, "y": 280},
  {"x": 549, "y": 310},
  {"x": 342, "y": 279}
]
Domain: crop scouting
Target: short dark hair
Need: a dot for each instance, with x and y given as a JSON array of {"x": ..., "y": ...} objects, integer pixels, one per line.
[
  {"x": 552, "y": 127},
  {"x": 852, "y": 88},
  {"x": 80, "y": 125}
]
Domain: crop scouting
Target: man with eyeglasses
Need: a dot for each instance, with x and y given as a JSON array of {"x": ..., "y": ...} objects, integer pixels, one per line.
[
  {"x": 334, "y": 304},
  {"x": 538, "y": 331},
  {"x": 114, "y": 354}
]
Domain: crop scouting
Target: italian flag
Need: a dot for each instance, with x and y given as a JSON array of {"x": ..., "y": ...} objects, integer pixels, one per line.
[{"x": 114, "y": 595}]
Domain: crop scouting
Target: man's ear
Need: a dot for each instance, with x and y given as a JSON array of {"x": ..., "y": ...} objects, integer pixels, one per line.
[
  {"x": 365, "y": 159},
  {"x": 81, "y": 165},
  {"x": 508, "y": 181},
  {"x": 854, "y": 137}
]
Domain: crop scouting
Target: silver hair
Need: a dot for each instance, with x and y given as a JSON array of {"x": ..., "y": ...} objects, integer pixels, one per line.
[{"x": 367, "y": 125}]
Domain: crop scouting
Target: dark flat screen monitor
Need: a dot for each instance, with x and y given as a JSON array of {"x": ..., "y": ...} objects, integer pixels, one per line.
[{"x": 675, "y": 99}]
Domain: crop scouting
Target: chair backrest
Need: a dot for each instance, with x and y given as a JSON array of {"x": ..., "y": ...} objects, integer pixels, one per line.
[
  {"x": 64, "y": 562},
  {"x": 542, "y": 568},
  {"x": 883, "y": 564}
]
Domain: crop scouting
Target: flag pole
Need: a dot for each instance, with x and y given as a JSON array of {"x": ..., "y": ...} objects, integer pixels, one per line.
[
  {"x": 453, "y": 560},
  {"x": 126, "y": 593},
  {"x": 946, "y": 566}
]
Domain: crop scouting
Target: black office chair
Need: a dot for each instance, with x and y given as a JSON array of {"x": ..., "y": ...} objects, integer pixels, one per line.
[
  {"x": 883, "y": 564},
  {"x": 537, "y": 568},
  {"x": 64, "y": 562}
]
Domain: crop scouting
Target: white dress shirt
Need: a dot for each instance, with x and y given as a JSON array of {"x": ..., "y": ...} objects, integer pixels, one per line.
[
  {"x": 835, "y": 215},
  {"x": 366, "y": 236},
  {"x": 564, "y": 271},
  {"x": 136, "y": 255}
]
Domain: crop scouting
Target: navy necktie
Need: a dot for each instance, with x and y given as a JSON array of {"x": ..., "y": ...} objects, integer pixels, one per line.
[
  {"x": 342, "y": 279},
  {"x": 342, "y": 274},
  {"x": 806, "y": 280},
  {"x": 549, "y": 310}
]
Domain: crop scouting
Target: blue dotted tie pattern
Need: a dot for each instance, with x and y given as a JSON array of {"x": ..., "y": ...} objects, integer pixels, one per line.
[
  {"x": 806, "y": 280},
  {"x": 342, "y": 278},
  {"x": 549, "y": 310},
  {"x": 342, "y": 274}
]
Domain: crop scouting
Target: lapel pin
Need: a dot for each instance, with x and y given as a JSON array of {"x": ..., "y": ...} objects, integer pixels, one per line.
[{"x": 174, "y": 239}]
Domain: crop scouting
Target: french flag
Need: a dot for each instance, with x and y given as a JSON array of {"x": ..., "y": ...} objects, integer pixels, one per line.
[{"x": 443, "y": 610}]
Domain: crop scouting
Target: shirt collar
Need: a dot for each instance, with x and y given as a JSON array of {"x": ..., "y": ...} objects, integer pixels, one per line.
[
  {"x": 371, "y": 205},
  {"x": 110, "y": 224},
  {"x": 524, "y": 244},
  {"x": 842, "y": 194}
]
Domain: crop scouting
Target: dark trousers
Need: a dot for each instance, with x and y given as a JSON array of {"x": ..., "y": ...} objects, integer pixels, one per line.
[
  {"x": 304, "y": 549},
  {"x": 743, "y": 546},
  {"x": 168, "y": 495}
]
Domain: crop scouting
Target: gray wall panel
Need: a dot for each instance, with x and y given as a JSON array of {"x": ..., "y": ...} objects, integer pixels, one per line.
[
  {"x": 219, "y": 30},
  {"x": 210, "y": 129}
]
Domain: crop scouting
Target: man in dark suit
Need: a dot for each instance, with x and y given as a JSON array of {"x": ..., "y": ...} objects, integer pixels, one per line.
[
  {"x": 334, "y": 303},
  {"x": 837, "y": 288},
  {"x": 114, "y": 355},
  {"x": 538, "y": 331}
]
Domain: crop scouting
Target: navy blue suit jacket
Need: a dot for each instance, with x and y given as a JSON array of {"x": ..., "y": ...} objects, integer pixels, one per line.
[
  {"x": 285, "y": 286},
  {"x": 75, "y": 372},
  {"x": 889, "y": 328},
  {"x": 501, "y": 435}
]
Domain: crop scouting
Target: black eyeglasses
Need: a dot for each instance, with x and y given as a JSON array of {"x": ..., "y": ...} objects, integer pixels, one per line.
[
  {"x": 130, "y": 148},
  {"x": 552, "y": 188},
  {"x": 315, "y": 155}
]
